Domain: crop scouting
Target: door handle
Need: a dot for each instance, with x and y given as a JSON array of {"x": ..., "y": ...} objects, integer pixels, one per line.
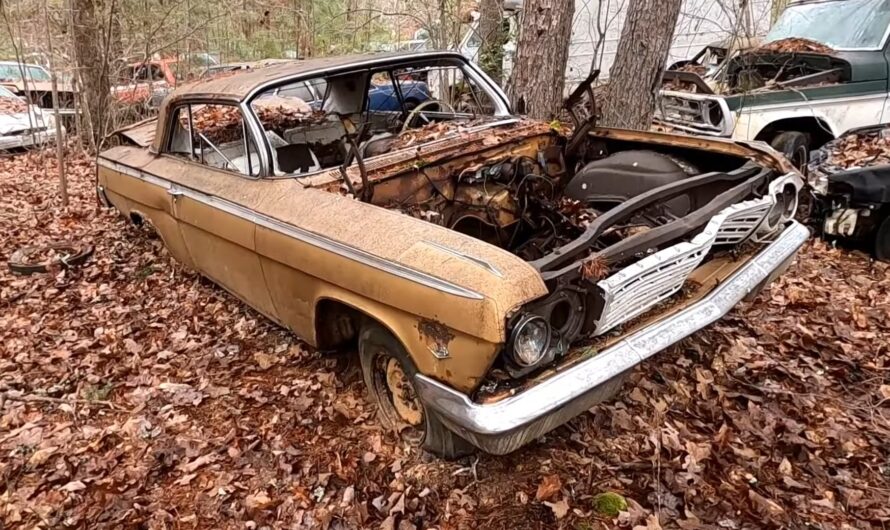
[{"x": 174, "y": 191}]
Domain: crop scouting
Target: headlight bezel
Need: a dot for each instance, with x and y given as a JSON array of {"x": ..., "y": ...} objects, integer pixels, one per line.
[
  {"x": 784, "y": 203},
  {"x": 518, "y": 366}
]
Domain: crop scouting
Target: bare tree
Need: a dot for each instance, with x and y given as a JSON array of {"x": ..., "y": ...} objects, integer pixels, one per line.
[
  {"x": 92, "y": 67},
  {"x": 538, "y": 79},
  {"x": 635, "y": 76}
]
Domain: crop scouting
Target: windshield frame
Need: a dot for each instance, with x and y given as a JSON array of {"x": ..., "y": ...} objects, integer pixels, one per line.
[
  {"x": 503, "y": 112},
  {"x": 880, "y": 47},
  {"x": 28, "y": 70}
]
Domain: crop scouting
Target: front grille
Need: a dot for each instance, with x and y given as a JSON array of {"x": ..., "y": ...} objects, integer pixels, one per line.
[
  {"x": 741, "y": 221},
  {"x": 695, "y": 113},
  {"x": 639, "y": 287}
]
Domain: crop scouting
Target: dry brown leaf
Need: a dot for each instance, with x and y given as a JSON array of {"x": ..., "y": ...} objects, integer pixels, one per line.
[{"x": 549, "y": 486}]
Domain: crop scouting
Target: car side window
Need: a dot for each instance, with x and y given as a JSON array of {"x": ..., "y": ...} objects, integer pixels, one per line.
[
  {"x": 215, "y": 136},
  {"x": 297, "y": 90}
]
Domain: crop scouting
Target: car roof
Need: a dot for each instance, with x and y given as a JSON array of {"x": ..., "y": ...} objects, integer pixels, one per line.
[{"x": 242, "y": 83}]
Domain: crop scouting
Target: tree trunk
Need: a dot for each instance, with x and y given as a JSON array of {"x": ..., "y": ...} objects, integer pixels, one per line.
[
  {"x": 538, "y": 78},
  {"x": 494, "y": 37},
  {"x": 91, "y": 68},
  {"x": 635, "y": 77}
]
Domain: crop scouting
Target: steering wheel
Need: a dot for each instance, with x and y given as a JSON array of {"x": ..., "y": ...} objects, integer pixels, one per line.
[{"x": 416, "y": 111}]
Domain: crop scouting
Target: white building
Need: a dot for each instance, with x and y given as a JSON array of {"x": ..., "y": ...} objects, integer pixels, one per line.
[{"x": 701, "y": 22}]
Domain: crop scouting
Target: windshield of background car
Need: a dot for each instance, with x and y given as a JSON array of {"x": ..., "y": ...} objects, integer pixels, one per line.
[
  {"x": 847, "y": 24},
  {"x": 323, "y": 122},
  {"x": 13, "y": 72}
]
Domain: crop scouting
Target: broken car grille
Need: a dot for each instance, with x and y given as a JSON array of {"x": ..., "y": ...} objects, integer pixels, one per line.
[
  {"x": 650, "y": 281},
  {"x": 695, "y": 113}
]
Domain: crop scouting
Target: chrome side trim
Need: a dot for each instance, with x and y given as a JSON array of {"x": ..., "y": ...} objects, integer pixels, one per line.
[
  {"x": 506, "y": 425},
  {"x": 300, "y": 234},
  {"x": 466, "y": 257}
]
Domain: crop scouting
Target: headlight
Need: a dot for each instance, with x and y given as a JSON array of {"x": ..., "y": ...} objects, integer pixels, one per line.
[{"x": 529, "y": 340}]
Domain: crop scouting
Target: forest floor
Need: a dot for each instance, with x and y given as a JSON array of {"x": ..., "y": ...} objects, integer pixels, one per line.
[{"x": 135, "y": 394}]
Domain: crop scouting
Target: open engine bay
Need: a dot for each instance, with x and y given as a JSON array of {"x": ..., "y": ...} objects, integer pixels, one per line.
[{"x": 613, "y": 226}]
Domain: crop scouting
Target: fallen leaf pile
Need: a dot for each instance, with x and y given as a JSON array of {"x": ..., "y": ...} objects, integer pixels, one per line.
[
  {"x": 134, "y": 394},
  {"x": 12, "y": 106},
  {"x": 858, "y": 150},
  {"x": 794, "y": 45}
]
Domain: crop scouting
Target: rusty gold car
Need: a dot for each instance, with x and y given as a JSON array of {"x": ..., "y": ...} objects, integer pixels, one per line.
[{"x": 497, "y": 276}]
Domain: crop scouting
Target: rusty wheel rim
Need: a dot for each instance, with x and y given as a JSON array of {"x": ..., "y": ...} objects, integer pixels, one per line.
[{"x": 398, "y": 402}]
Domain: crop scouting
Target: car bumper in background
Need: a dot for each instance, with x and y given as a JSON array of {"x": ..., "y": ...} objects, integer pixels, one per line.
[
  {"x": 29, "y": 139},
  {"x": 506, "y": 425}
]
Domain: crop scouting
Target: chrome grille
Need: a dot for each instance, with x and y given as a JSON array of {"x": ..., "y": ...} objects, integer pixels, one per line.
[
  {"x": 639, "y": 287},
  {"x": 741, "y": 221},
  {"x": 692, "y": 112}
]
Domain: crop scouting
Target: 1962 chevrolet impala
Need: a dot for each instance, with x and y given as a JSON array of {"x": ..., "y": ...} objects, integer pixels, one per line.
[{"x": 497, "y": 277}]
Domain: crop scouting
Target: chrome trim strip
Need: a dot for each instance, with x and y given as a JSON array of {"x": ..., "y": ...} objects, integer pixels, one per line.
[
  {"x": 305, "y": 236},
  {"x": 506, "y": 425},
  {"x": 807, "y": 103},
  {"x": 472, "y": 259}
]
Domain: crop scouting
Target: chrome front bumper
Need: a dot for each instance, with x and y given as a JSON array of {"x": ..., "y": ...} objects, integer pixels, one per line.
[{"x": 506, "y": 425}]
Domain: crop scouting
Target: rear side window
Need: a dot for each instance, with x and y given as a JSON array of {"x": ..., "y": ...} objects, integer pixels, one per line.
[{"x": 215, "y": 136}]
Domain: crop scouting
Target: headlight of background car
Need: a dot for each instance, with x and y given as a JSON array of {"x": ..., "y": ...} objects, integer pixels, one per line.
[{"x": 529, "y": 341}]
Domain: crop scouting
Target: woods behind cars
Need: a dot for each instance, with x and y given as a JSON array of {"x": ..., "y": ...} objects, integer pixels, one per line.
[{"x": 497, "y": 275}]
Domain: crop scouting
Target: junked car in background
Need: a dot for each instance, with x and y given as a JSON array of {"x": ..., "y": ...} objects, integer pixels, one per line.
[
  {"x": 822, "y": 70},
  {"x": 496, "y": 276},
  {"x": 145, "y": 84},
  {"x": 34, "y": 83},
  {"x": 850, "y": 178},
  {"x": 23, "y": 125}
]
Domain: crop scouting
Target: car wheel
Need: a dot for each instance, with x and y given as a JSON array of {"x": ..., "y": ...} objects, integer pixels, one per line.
[
  {"x": 882, "y": 241},
  {"x": 389, "y": 377},
  {"x": 795, "y": 146},
  {"x": 411, "y": 104}
]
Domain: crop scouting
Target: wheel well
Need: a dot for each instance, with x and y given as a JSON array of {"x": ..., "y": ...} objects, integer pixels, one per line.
[
  {"x": 816, "y": 129},
  {"x": 136, "y": 218},
  {"x": 336, "y": 324}
]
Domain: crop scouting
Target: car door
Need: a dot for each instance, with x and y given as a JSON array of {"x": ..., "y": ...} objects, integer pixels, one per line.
[{"x": 211, "y": 157}]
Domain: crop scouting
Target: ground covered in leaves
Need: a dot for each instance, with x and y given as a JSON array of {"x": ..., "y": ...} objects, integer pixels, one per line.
[{"x": 137, "y": 395}]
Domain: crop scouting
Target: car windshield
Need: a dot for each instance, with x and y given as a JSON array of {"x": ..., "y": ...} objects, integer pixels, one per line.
[
  {"x": 13, "y": 72},
  {"x": 841, "y": 25}
]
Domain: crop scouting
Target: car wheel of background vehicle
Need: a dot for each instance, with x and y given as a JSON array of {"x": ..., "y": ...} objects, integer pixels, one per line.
[
  {"x": 882, "y": 241},
  {"x": 411, "y": 104},
  {"x": 389, "y": 374},
  {"x": 795, "y": 146}
]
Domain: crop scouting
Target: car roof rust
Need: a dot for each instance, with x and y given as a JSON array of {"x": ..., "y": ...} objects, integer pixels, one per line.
[{"x": 238, "y": 85}]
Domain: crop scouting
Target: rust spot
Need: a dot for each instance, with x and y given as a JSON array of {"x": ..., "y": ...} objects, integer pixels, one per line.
[{"x": 436, "y": 335}]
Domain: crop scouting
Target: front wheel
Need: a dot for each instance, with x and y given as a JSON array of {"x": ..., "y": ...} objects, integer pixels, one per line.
[
  {"x": 389, "y": 377},
  {"x": 795, "y": 146}
]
